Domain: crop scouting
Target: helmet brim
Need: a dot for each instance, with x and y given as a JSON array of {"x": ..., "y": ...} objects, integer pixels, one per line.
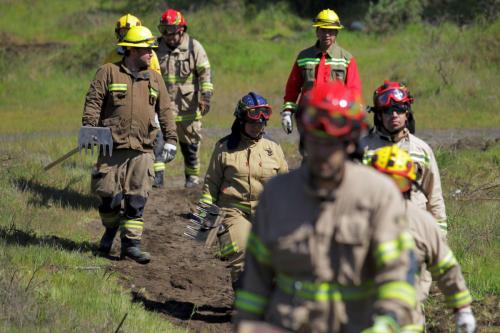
[
  {"x": 138, "y": 45},
  {"x": 328, "y": 26}
]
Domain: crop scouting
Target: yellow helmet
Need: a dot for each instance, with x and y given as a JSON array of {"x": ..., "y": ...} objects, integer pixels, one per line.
[
  {"x": 327, "y": 19},
  {"x": 138, "y": 36},
  {"x": 126, "y": 22},
  {"x": 397, "y": 163}
]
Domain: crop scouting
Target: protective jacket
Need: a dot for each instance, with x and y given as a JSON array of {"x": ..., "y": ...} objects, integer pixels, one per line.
[
  {"x": 434, "y": 254},
  {"x": 339, "y": 65},
  {"x": 127, "y": 103},
  {"x": 186, "y": 71},
  {"x": 328, "y": 262},
  {"x": 431, "y": 196},
  {"x": 116, "y": 55},
  {"x": 235, "y": 178}
]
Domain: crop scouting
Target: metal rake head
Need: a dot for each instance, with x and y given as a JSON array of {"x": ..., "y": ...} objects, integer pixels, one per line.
[{"x": 95, "y": 136}]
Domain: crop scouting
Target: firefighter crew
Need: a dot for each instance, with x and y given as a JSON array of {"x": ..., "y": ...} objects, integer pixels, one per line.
[
  {"x": 323, "y": 62},
  {"x": 186, "y": 71},
  {"x": 393, "y": 119},
  {"x": 431, "y": 248},
  {"x": 240, "y": 165},
  {"x": 328, "y": 250},
  {"x": 125, "y": 97}
]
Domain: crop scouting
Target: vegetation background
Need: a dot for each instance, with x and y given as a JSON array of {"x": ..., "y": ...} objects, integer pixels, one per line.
[{"x": 446, "y": 50}]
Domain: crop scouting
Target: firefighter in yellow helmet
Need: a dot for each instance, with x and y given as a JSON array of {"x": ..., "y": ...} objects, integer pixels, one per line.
[
  {"x": 126, "y": 96},
  {"x": 329, "y": 250},
  {"x": 432, "y": 251},
  {"x": 241, "y": 164}
]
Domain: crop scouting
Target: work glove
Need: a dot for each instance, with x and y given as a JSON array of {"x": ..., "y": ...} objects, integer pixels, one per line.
[
  {"x": 286, "y": 121},
  {"x": 204, "y": 103},
  {"x": 465, "y": 321},
  {"x": 383, "y": 324},
  {"x": 168, "y": 153}
]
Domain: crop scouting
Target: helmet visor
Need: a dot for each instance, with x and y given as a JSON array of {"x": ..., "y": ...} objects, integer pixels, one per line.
[
  {"x": 258, "y": 112},
  {"x": 397, "y": 95},
  {"x": 169, "y": 29},
  {"x": 319, "y": 120}
]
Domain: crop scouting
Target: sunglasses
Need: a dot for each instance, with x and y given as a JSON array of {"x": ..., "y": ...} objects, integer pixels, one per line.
[
  {"x": 169, "y": 29},
  {"x": 258, "y": 112},
  {"x": 395, "y": 95},
  {"x": 399, "y": 109}
]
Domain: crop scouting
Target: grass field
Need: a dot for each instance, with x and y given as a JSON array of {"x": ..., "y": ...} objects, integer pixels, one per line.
[{"x": 49, "y": 277}]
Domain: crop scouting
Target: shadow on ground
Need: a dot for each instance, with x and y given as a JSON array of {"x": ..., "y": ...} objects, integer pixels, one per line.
[{"x": 47, "y": 195}]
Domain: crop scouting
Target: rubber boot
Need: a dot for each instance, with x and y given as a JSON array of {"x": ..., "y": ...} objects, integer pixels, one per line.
[
  {"x": 107, "y": 241},
  {"x": 192, "y": 181},
  {"x": 158, "y": 183},
  {"x": 132, "y": 248}
]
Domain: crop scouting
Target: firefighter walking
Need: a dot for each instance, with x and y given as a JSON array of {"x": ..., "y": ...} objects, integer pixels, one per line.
[
  {"x": 125, "y": 97},
  {"x": 329, "y": 250},
  {"x": 323, "y": 62},
  {"x": 241, "y": 164},
  {"x": 186, "y": 71},
  {"x": 431, "y": 248}
]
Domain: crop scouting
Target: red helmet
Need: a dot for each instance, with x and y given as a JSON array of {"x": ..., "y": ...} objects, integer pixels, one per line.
[
  {"x": 173, "y": 17},
  {"x": 332, "y": 109},
  {"x": 391, "y": 93}
]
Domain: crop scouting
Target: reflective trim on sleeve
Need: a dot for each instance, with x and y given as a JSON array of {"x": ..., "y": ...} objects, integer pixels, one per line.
[
  {"x": 158, "y": 166},
  {"x": 243, "y": 207},
  {"x": 117, "y": 87},
  {"x": 391, "y": 250},
  {"x": 399, "y": 290},
  {"x": 423, "y": 158},
  {"x": 258, "y": 250},
  {"x": 203, "y": 67},
  {"x": 207, "y": 86},
  {"x": 412, "y": 328},
  {"x": 188, "y": 117},
  {"x": 250, "y": 302},
  {"x": 229, "y": 249},
  {"x": 207, "y": 198},
  {"x": 290, "y": 106},
  {"x": 443, "y": 225},
  {"x": 444, "y": 265},
  {"x": 459, "y": 299},
  {"x": 153, "y": 92}
]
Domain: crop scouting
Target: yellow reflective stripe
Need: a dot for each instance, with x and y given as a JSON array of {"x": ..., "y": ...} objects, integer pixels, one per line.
[
  {"x": 391, "y": 250},
  {"x": 459, "y": 299},
  {"x": 412, "y": 328},
  {"x": 399, "y": 290},
  {"x": 158, "y": 166},
  {"x": 444, "y": 265},
  {"x": 258, "y": 250},
  {"x": 290, "y": 106},
  {"x": 132, "y": 224},
  {"x": 207, "y": 86},
  {"x": 207, "y": 198},
  {"x": 174, "y": 79},
  {"x": 153, "y": 92},
  {"x": 420, "y": 157},
  {"x": 189, "y": 117},
  {"x": 250, "y": 302},
  {"x": 443, "y": 225},
  {"x": 117, "y": 87},
  {"x": 110, "y": 219},
  {"x": 229, "y": 249},
  {"x": 203, "y": 67},
  {"x": 244, "y": 208},
  {"x": 323, "y": 291},
  {"x": 367, "y": 157},
  {"x": 192, "y": 170}
]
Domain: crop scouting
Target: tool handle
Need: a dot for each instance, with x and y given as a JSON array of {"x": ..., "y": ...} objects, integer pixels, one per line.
[{"x": 62, "y": 158}]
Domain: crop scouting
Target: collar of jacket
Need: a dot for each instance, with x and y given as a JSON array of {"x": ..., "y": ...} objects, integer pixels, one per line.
[
  {"x": 404, "y": 134},
  {"x": 141, "y": 75},
  {"x": 247, "y": 141},
  {"x": 319, "y": 194},
  {"x": 319, "y": 53}
]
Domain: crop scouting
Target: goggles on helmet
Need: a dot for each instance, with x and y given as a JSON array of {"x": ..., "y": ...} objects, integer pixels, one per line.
[
  {"x": 321, "y": 122},
  {"x": 384, "y": 99},
  {"x": 257, "y": 112},
  {"x": 169, "y": 29}
]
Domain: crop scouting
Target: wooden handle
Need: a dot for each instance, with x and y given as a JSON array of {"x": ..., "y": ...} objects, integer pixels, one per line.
[{"x": 62, "y": 158}]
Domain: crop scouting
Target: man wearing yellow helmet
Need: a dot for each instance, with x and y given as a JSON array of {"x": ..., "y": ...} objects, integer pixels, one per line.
[
  {"x": 126, "y": 96},
  {"x": 324, "y": 61},
  {"x": 432, "y": 251}
]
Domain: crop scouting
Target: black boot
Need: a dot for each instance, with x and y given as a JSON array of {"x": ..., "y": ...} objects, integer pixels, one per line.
[
  {"x": 132, "y": 248},
  {"x": 107, "y": 240},
  {"x": 158, "y": 183}
]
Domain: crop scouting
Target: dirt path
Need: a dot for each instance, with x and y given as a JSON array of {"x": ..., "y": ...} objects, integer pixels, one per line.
[{"x": 183, "y": 281}]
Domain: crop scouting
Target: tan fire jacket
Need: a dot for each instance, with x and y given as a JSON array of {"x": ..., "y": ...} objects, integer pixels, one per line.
[
  {"x": 235, "y": 178},
  {"x": 186, "y": 71},
  {"x": 434, "y": 255},
  {"x": 127, "y": 103},
  {"x": 431, "y": 199},
  {"x": 328, "y": 263}
]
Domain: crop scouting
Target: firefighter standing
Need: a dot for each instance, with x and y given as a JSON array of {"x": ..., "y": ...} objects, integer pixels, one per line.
[
  {"x": 432, "y": 251},
  {"x": 240, "y": 165},
  {"x": 323, "y": 62},
  {"x": 186, "y": 71},
  {"x": 329, "y": 250},
  {"x": 125, "y": 97},
  {"x": 394, "y": 124}
]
